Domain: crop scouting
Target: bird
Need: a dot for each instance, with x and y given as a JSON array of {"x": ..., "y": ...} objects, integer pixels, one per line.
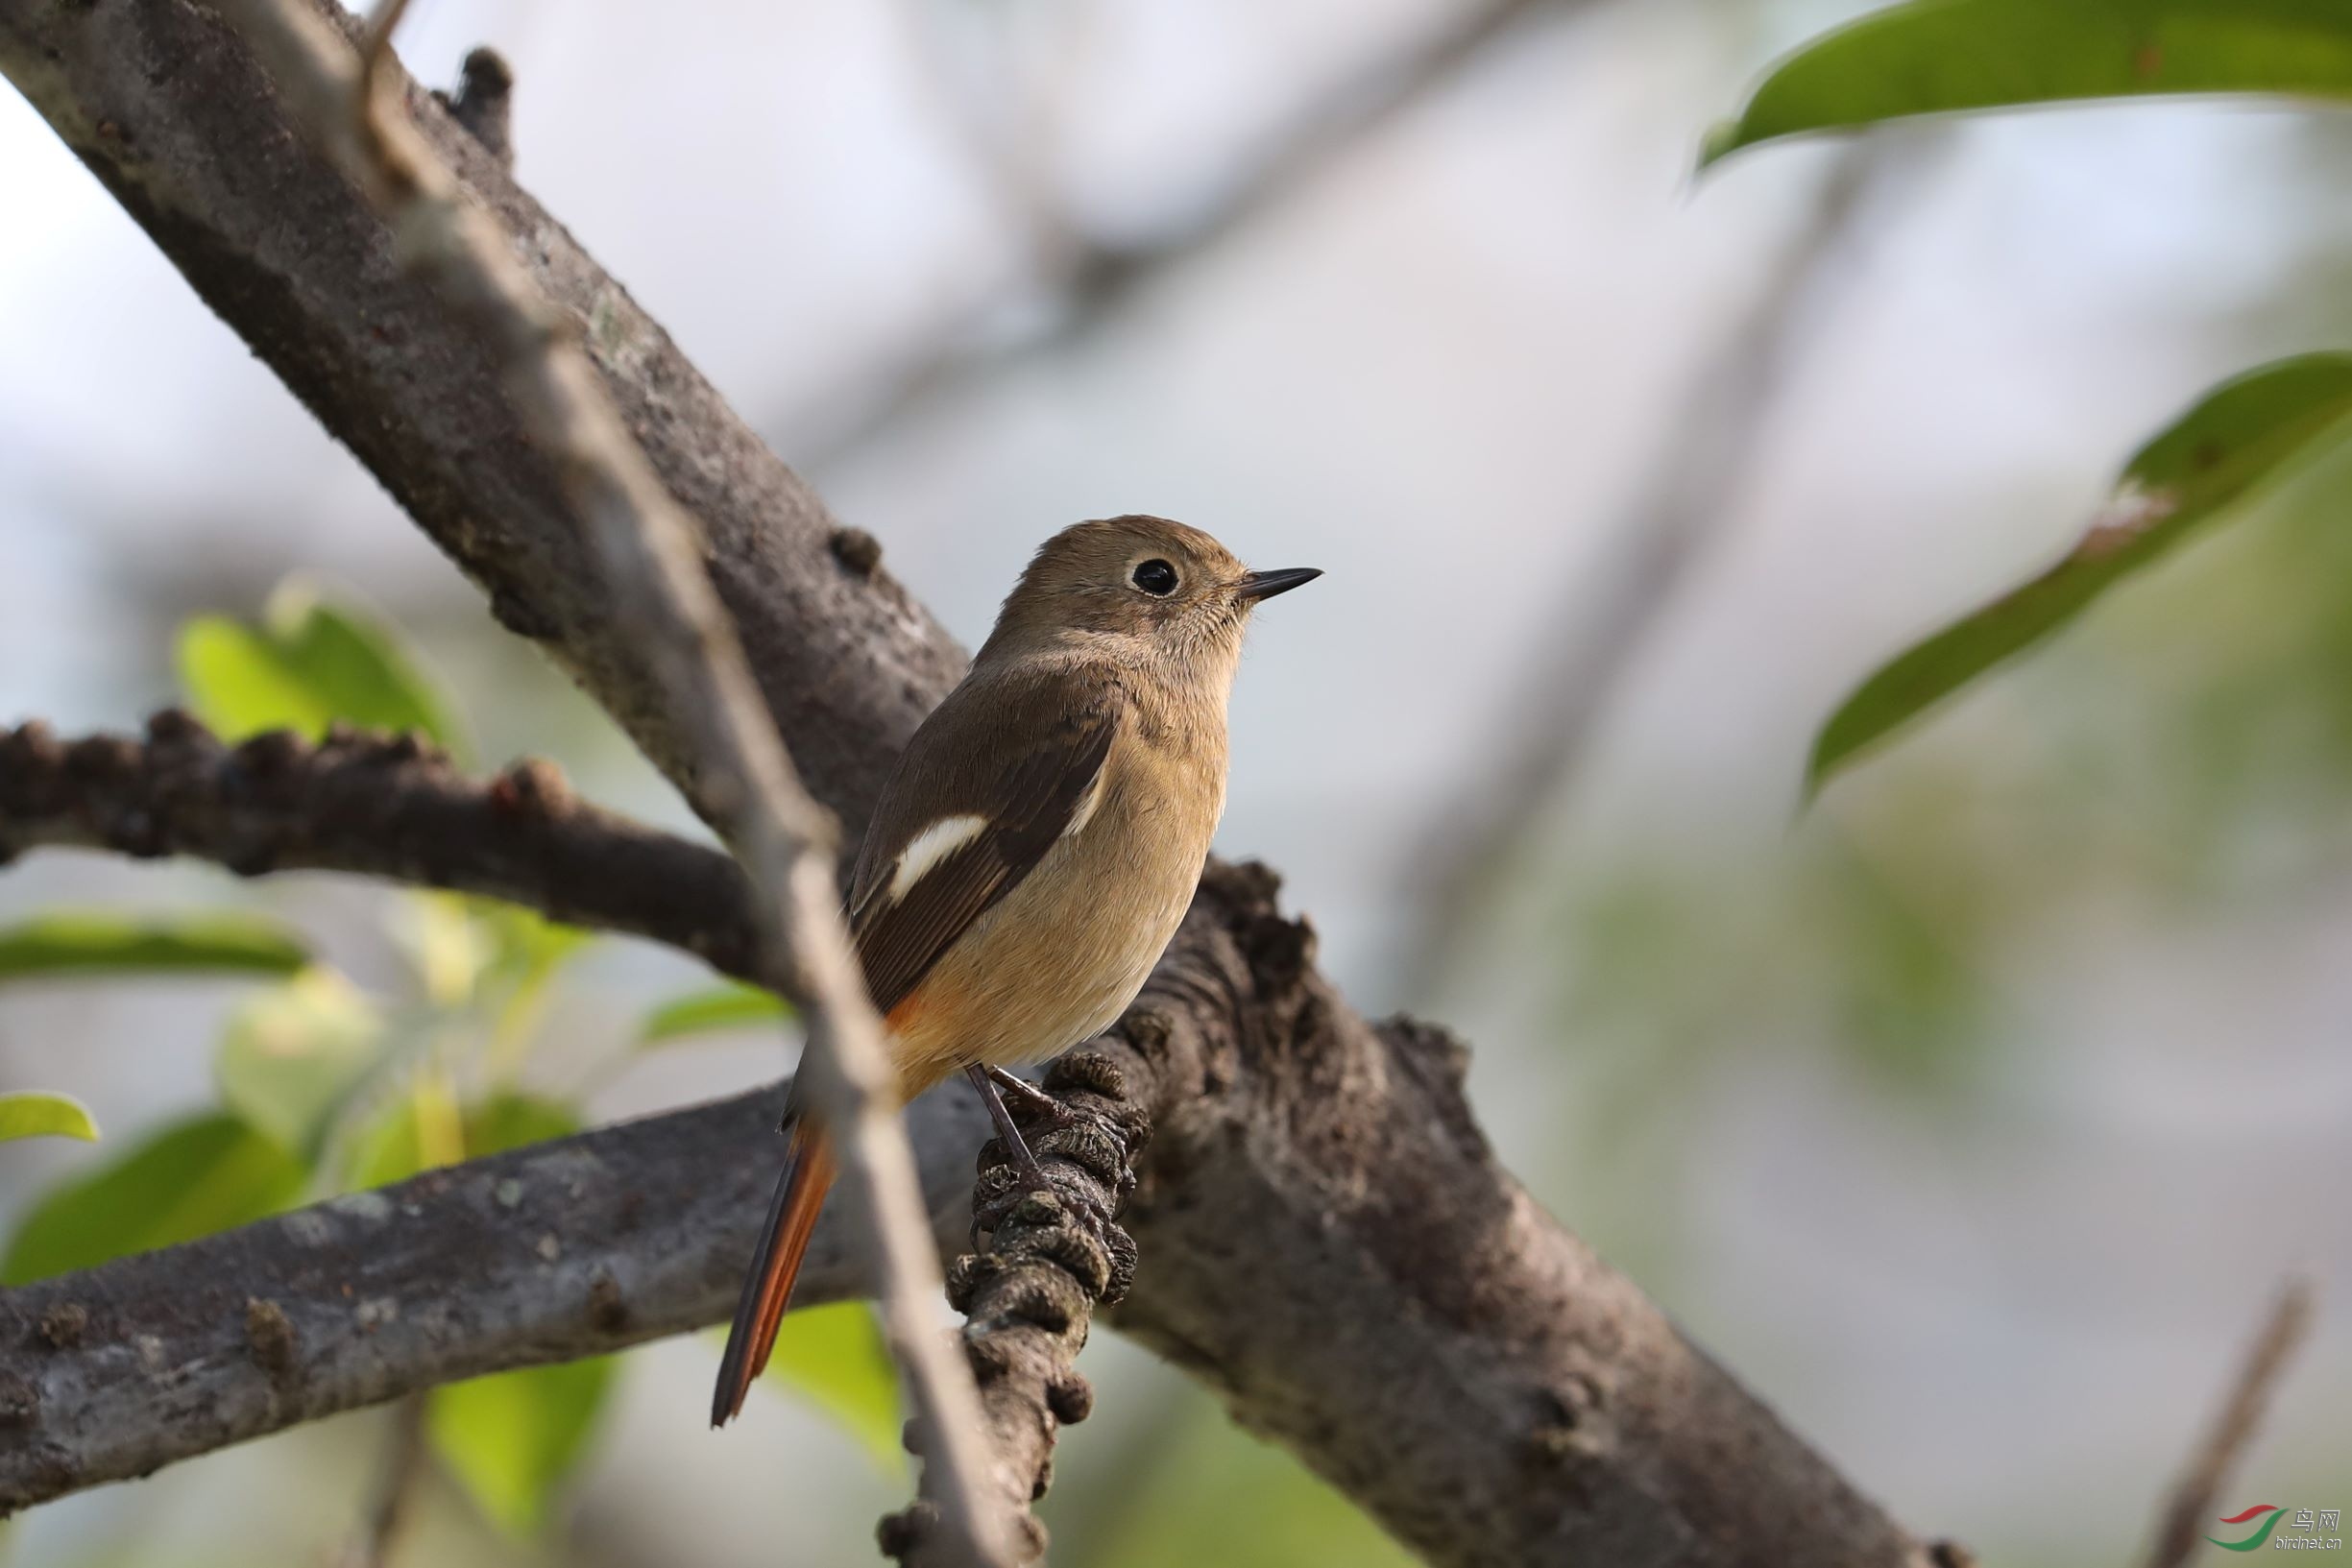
[{"x": 1035, "y": 848}]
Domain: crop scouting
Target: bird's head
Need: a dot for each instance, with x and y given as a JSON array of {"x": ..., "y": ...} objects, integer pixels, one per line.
[{"x": 1143, "y": 586}]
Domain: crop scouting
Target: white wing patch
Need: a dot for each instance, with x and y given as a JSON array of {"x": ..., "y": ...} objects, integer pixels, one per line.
[
  {"x": 1085, "y": 809},
  {"x": 932, "y": 845}
]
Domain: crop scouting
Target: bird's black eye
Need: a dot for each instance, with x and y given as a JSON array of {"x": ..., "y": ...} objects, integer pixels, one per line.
[{"x": 1155, "y": 577}]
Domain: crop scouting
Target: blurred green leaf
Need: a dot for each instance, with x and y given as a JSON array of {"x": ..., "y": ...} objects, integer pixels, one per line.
[
  {"x": 292, "y": 1056},
  {"x": 511, "y": 1439},
  {"x": 527, "y": 946},
  {"x": 505, "y": 1122},
  {"x": 2248, "y": 432},
  {"x": 835, "y": 1358},
  {"x": 306, "y": 665},
  {"x": 702, "y": 1012},
  {"x": 426, "y": 1128},
  {"x": 1901, "y": 967},
  {"x": 191, "y": 1179},
  {"x": 528, "y": 951},
  {"x": 492, "y": 957},
  {"x": 423, "y": 1128},
  {"x": 1215, "y": 1494},
  {"x": 1933, "y": 57},
  {"x": 33, "y": 1113},
  {"x": 444, "y": 943},
  {"x": 218, "y": 940}
]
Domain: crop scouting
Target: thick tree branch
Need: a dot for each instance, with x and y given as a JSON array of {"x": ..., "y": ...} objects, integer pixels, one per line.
[
  {"x": 184, "y": 125},
  {"x": 378, "y": 805},
  {"x": 552, "y": 1252},
  {"x": 1329, "y": 1242}
]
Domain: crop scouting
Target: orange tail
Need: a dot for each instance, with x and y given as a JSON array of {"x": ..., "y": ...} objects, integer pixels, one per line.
[{"x": 791, "y": 1219}]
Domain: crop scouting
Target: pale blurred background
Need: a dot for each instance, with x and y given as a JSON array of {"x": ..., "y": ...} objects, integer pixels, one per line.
[{"x": 1971, "y": 1117}]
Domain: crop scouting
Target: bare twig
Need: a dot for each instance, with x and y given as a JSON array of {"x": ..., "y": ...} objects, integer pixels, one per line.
[
  {"x": 395, "y": 1484},
  {"x": 1554, "y": 713},
  {"x": 375, "y": 806},
  {"x": 1090, "y": 279},
  {"x": 744, "y": 781},
  {"x": 2192, "y": 1498}
]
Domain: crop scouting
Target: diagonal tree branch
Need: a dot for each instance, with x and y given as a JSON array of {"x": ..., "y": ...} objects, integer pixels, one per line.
[
  {"x": 1330, "y": 1244},
  {"x": 376, "y": 805},
  {"x": 738, "y": 773},
  {"x": 1692, "y": 490},
  {"x": 2190, "y": 1502},
  {"x": 1092, "y": 279}
]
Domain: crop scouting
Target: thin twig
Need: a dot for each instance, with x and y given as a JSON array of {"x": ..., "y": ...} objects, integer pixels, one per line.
[
  {"x": 744, "y": 782},
  {"x": 1693, "y": 490},
  {"x": 1088, "y": 279},
  {"x": 2191, "y": 1500},
  {"x": 395, "y": 1484}
]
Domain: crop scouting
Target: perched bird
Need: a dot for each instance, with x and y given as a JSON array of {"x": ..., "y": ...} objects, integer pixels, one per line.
[{"x": 1036, "y": 846}]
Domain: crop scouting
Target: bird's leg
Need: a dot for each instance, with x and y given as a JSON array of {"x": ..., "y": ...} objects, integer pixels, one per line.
[
  {"x": 1032, "y": 1174},
  {"x": 1036, "y": 1101}
]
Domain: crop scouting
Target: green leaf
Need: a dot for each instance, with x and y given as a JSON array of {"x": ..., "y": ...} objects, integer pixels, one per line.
[
  {"x": 224, "y": 941},
  {"x": 292, "y": 1056},
  {"x": 493, "y": 959},
  {"x": 527, "y": 947},
  {"x": 835, "y": 1358},
  {"x": 1933, "y": 57},
  {"x": 512, "y": 1438},
  {"x": 191, "y": 1179},
  {"x": 425, "y": 1129},
  {"x": 2248, "y": 432},
  {"x": 1215, "y": 1494},
  {"x": 443, "y": 944},
  {"x": 505, "y": 1122},
  {"x": 33, "y": 1113},
  {"x": 722, "y": 1007},
  {"x": 306, "y": 665}
]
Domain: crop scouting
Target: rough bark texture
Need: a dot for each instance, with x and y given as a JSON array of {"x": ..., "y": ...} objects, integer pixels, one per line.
[
  {"x": 1327, "y": 1240},
  {"x": 1029, "y": 1300},
  {"x": 180, "y": 122},
  {"x": 556, "y": 1252},
  {"x": 648, "y": 556},
  {"x": 376, "y": 805}
]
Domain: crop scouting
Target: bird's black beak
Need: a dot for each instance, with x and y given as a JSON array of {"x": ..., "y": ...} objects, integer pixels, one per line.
[{"x": 1265, "y": 585}]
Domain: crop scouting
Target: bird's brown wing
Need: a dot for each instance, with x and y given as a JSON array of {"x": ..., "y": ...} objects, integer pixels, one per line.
[{"x": 1020, "y": 760}]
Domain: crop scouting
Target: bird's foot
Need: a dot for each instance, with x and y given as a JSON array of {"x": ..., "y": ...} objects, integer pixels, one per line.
[{"x": 1025, "y": 1098}]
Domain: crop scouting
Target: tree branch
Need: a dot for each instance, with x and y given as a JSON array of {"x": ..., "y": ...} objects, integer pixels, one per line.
[
  {"x": 549, "y": 1253},
  {"x": 2192, "y": 1498},
  {"x": 1559, "y": 702},
  {"x": 376, "y": 805},
  {"x": 403, "y": 1471},
  {"x": 1091, "y": 279},
  {"x": 1331, "y": 1244},
  {"x": 736, "y": 770}
]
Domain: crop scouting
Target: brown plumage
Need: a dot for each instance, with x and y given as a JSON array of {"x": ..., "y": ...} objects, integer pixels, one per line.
[{"x": 1039, "y": 841}]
